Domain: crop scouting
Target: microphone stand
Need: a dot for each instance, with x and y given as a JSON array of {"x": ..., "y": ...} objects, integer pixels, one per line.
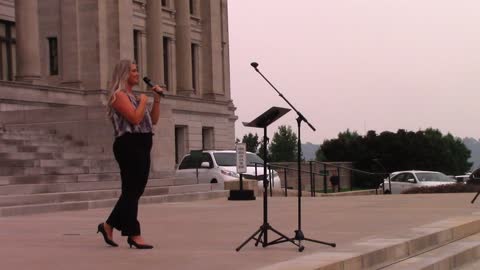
[{"x": 299, "y": 236}]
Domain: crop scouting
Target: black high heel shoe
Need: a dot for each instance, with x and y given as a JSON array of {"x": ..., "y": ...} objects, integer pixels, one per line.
[
  {"x": 101, "y": 229},
  {"x": 137, "y": 245}
]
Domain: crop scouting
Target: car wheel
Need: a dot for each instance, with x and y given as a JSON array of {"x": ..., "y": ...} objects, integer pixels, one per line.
[
  {"x": 213, "y": 181},
  {"x": 387, "y": 192}
]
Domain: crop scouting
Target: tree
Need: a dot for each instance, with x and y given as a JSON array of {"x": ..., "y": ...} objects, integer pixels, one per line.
[
  {"x": 319, "y": 156},
  {"x": 261, "y": 153},
  {"x": 474, "y": 146},
  {"x": 252, "y": 142},
  {"x": 284, "y": 145},
  {"x": 404, "y": 150}
]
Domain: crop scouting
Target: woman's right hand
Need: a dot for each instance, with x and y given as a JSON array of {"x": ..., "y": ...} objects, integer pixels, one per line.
[{"x": 143, "y": 98}]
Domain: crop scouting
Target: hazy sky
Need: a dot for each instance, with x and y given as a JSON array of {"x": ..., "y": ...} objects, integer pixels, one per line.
[{"x": 358, "y": 64}]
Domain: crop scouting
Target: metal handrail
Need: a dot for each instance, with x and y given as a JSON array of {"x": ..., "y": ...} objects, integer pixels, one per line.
[
  {"x": 347, "y": 168},
  {"x": 360, "y": 171},
  {"x": 270, "y": 167}
]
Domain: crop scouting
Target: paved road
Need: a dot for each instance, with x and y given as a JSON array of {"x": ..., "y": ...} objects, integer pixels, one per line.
[{"x": 204, "y": 234}]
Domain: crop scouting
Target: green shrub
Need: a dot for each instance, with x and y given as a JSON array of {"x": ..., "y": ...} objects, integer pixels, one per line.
[{"x": 450, "y": 188}]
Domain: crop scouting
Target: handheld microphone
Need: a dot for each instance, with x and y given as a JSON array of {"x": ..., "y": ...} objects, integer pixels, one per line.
[
  {"x": 254, "y": 65},
  {"x": 149, "y": 83}
]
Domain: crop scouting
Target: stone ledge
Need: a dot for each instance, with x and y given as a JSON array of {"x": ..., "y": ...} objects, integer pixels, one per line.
[{"x": 379, "y": 252}]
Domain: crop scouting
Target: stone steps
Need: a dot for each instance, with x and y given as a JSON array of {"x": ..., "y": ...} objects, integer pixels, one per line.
[
  {"x": 45, "y": 163},
  {"x": 60, "y": 197},
  {"x": 112, "y": 183},
  {"x": 451, "y": 256},
  {"x": 80, "y": 168},
  {"x": 49, "y": 178},
  {"x": 42, "y": 172},
  {"x": 19, "y": 171},
  {"x": 49, "y": 149},
  {"x": 70, "y": 192},
  {"x": 169, "y": 196},
  {"x": 5, "y": 156},
  {"x": 27, "y": 131},
  {"x": 26, "y": 142},
  {"x": 81, "y": 178},
  {"x": 32, "y": 137}
]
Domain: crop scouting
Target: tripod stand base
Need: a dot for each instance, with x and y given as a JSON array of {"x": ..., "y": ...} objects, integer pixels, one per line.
[
  {"x": 300, "y": 237},
  {"x": 474, "y": 198},
  {"x": 262, "y": 231}
]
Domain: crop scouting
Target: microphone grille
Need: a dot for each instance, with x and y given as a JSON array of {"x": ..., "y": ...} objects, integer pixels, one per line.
[{"x": 147, "y": 81}]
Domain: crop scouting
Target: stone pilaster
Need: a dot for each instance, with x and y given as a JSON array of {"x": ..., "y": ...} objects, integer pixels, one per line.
[
  {"x": 28, "y": 43},
  {"x": 155, "y": 41},
  {"x": 173, "y": 63},
  {"x": 212, "y": 73},
  {"x": 69, "y": 44},
  {"x": 183, "y": 48},
  {"x": 225, "y": 50},
  {"x": 125, "y": 29}
]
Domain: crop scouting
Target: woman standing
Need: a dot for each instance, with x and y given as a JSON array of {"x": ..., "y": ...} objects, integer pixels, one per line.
[{"x": 132, "y": 123}]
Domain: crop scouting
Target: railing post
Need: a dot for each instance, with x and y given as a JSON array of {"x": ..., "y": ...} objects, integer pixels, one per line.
[
  {"x": 311, "y": 179},
  {"x": 351, "y": 180},
  {"x": 339, "y": 180},
  {"x": 313, "y": 182},
  {"x": 324, "y": 178}
]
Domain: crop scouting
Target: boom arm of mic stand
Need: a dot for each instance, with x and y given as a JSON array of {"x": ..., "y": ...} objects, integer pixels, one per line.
[
  {"x": 300, "y": 115},
  {"x": 306, "y": 121}
]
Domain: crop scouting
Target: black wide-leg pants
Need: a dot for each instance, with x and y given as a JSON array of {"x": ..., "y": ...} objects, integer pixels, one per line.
[{"x": 132, "y": 152}]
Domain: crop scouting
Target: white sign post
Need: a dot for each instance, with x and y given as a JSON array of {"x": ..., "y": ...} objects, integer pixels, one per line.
[
  {"x": 241, "y": 194},
  {"x": 241, "y": 158}
]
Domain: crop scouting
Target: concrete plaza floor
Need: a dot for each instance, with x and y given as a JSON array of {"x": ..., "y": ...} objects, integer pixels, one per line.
[{"x": 204, "y": 234}]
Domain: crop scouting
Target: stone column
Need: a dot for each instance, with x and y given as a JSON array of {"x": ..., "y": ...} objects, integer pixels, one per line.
[
  {"x": 184, "y": 47},
  {"x": 125, "y": 29},
  {"x": 225, "y": 50},
  {"x": 213, "y": 69},
  {"x": 28, "y": 42},
  {"x": 69, "y": 44},
  {"x": 143, "y": 56},
  {"x": 155, "y": 41},
  {"x": 172, "y": 45}
]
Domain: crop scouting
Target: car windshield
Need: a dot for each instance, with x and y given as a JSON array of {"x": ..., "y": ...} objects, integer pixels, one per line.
[
  {"x": 433, "y": 177},
  {"x": 230, "y": 159}
]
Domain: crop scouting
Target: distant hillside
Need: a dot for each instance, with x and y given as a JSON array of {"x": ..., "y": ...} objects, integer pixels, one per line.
[
  {"x": 474, "y": 146},
  {"x": 309, "y": 150}
]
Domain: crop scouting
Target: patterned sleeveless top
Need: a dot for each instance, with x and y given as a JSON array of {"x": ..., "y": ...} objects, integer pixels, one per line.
[{"x": 122, "y": 126}]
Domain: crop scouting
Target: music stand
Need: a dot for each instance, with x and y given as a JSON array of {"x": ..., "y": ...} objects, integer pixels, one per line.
[{"x": 263, "y": 121}]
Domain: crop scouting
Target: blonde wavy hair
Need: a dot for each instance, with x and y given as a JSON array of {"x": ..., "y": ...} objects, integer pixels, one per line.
[{"x": 118, "y": 82}]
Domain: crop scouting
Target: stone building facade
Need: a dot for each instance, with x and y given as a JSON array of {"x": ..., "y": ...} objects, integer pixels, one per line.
[{"x": 57, "y": 56}]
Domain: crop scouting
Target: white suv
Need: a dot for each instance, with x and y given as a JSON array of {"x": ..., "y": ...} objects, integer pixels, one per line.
[{"x": 219, "y": 166}]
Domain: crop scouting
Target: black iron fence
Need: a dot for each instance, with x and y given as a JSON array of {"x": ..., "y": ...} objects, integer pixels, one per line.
[{"x": 322, "y": 177}]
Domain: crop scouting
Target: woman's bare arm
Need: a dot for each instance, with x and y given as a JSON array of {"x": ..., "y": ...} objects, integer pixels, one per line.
[{"x": 124, "y": 106}]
